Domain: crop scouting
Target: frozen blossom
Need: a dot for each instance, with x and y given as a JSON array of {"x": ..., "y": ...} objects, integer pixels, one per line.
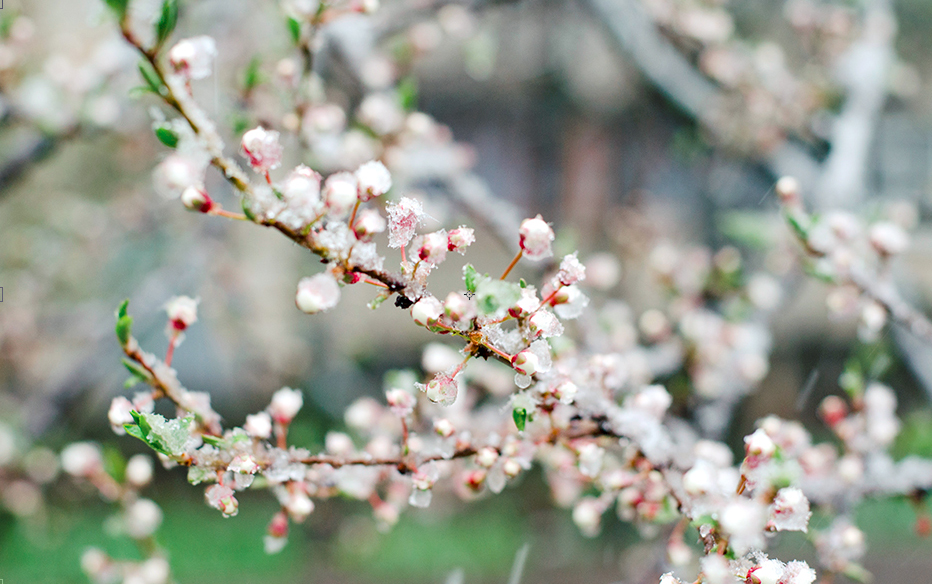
[
  {"x": 317, "y": 293},
  {"x": 286, "y": 403},
  {"x": 194, "y": 57},
  {"x": 373, "y": 180},
  {"x": 263, "y": 149},
  {"x": 536, "y": 238},
  {"x": 403, "y": 220}
]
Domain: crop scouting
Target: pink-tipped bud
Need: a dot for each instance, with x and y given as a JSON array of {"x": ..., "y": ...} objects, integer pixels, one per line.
[
  {"x": 221, "y": 497},
  {"x": 193, "y": 58},
  {"x": 340, "y": 193},
  {"x": 459, "y": 308},
  {"x": 459, "y": 239},
  {"x": 433, "y": 248},
  {"x": 368, "y": 223},
  {"x": 536, "y": 237},
  {"x": 196, "y": 199},
  {"x": 182, "y": 312},
  {"x": 525, "y": 362},
  {"x": 286, "y": 403},
  {"x": 787, "y": 189},
  {"x": 401, "y": 402},
  {"x": 444, "y": 427},
  {"x": 426, "y": 311},
  {"x": 263, "y": 149}
]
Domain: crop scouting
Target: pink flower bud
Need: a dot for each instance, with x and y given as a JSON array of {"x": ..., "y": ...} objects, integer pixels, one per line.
[
  {"x": 426, "y": 311},
  {"x": 302, "y": 187},
  {"x": 571, "y": 270},
  {"x": 459, "y": 308},
  {"x": 833, "y": 409},
  {"x": 511, "y": 468},
  {"x": 369, "y": 223},
  {"x": 486, "y": 457},
  {"x": 787, "y": 189},
  {"x": 544, "y": 323},
  {"x": 221, "y": 497},
  {"x": 444, "y": 427},
  {"x": 536, "y": 237},
  {"x": 340, "y": 193},
  {"x": 196, "y": 199},
  {"x": 244, "y": 464},
  {"x": 433, "y": 248},
  {"x": 401, "y": 402},
  {"x": 182, "y": 311},
  {"x": 258, "y": 425},
  {"x": 373, "y": 180},
  {"x": 299, "y": 506},
  {"x": 317, "y": 293},
  {"x": 790, "y": 511},
  {"x": 193, "y": 58},
  {"x": 459, "y": 239},
  {"x": 442, "y": 389},
  {"x": 403, "y": 220},
  {"x": 286, "y": 403},
  {"x": 525, "y": 362},
  {"x": 263, "y": 149}
]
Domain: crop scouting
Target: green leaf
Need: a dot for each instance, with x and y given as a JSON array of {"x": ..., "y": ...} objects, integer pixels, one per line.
[
  {"x": 166, "y": 136},
  {"x": 520, "y": 417},
  {"x": 798, "y": 228},
  {"x": 378, "y": 300},
  {"x": 494, "y": 297},
  {"x": 294, "y": 27},
  {"x": 165, "y": 436},
  {"x": 213, "y": 440},
  {"x": 138, "y": 372},
  {"x": 121, "y": 311},
  {"x": 247, "y": 210},
  {"x": 167, "y": 21},
  {"x": 151, "y": 78},
  {"x": 471, "y": 277},
  {"x": 522, "y": 283},
  {"x": 252, "y": 76},
  {"x": 407, "y": 93},
  {"x": 118, "y": 6},
  {"x": 124, "y": 328},
  {"x": 197, "y": 475}
]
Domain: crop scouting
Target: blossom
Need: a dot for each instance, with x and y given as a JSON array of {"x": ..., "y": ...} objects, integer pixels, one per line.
[
  {"x": 221, "y": 497},
  {"x": 433, "y": 248},
  {"x": 536, "y": 237},
  {"x": 286, "y": 403},
  {"x": 139, "y": 470},
  {"x": 400, "y": 401},
  {"x": 373, "y": 180},
  {"x": 442, "y": 389},
  {"x": 182, "y": 311},
  {"x": 142, "y": 518},
  {"x": 258, "y": 425},
  {"x": 196, "y": 199},
  {"x": 571, "y": 270},
  {"x": 790, "y": 510},
  {"x": 263, "y": 149},
  {"x": 888, "y": 238},
  {"x": 403, "y": 219},
  {"x": 119, "y": 414},
  {"x": 460, "y": 238},
  {"x": 340, "y": 193},
  {"x": 368, "y": 223},
  {"x": 302, "y": 187},
  {"x": 175, "y": 174},
  {"x": 459, "y": 308},
  {"x": 193, "y": 58},
  {"x": 426, "y": 311},
  {"x": 525, "y": 362},
  {"x": 317, "y": 293}
]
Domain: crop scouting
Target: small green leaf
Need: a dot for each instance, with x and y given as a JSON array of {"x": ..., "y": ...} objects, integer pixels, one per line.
[
  {"x": 407, "y": 93},
  {"x": 165, "y": 436},
  {"x": 197, "y": 475},
  {"x": 166, "y": 136},
  {"x": 134, "y": 431},
  {"x": 124, "y": 328},
  {"x": 213, "y": 440},
  {"x": 471, "y": 277},
  {"x": 378, "y": 300},
  {"x": 294, "y": 27},
  {"x": 118, "y": 6},
  {"x": 520, "y": 417},
  {"x": 522, "y": 283},
  {"x": 247, "y": 210},
  {"x": 252, "y": 77},
  {"x": 151, "y": 78},
  {"x": 121, "y": 311},
  {"x": 167, "y": 21},
  {"x": 138, "y": 371}
]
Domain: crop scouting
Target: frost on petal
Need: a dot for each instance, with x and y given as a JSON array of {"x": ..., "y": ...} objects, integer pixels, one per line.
[
  {"x": 340, "y": 193},
  {"x": 403, "y": 220},
  {"x": 571, "y": 270},
  {"x": 373, "y": 180},
  {"x": 790, "y": 510},
  {"x": 535, "y": 238},
  {"x": 263, "y": 149}
]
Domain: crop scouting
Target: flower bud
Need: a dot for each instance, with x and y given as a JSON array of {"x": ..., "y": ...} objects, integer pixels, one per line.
[
  {"x": 433, "y": 248},
  {"x": 400, "y": 401},
  {"x": 442, "y": 389},
  {"x": 244, "y": 464},
  {"x": 182, "y": 312},
  {"x": 139, "y": 470},
  {"x": 263, "y": 149},
  {"x": 340, "y": 193},
  {"x": 221, "y": 497},
  {"x": 888, "y": 239},
  {"x": 426, "y": 311},
  {"x": 175, "y": 174},
  {"x": 258, "y": 425},
  {"x": 787, "y": 189},
  {"x": 511, "y": 468},
  {"x": 459, "y": 239},
  {"x": 193, "y": 58},
  {"x": 196, "y": 199},
  {"x": 143, "y": 518},
  {"x": 373, "y": 180},
  {"x": 119, "y": 414},
  {"x": 286, "y": 403},
  {"x": 317, "y": 293},
  {"x": 525, "y": 362},
  {"x": 459, "y": 308},
  {"x": 536, "y": 237},
  {"x": 486, "y": 457},
  {"x": 81, "y": 459},
  {"x": 444, "y": 427},
  {"x": 368, "y": 223},
  {"x": 571, "y": 270}
]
